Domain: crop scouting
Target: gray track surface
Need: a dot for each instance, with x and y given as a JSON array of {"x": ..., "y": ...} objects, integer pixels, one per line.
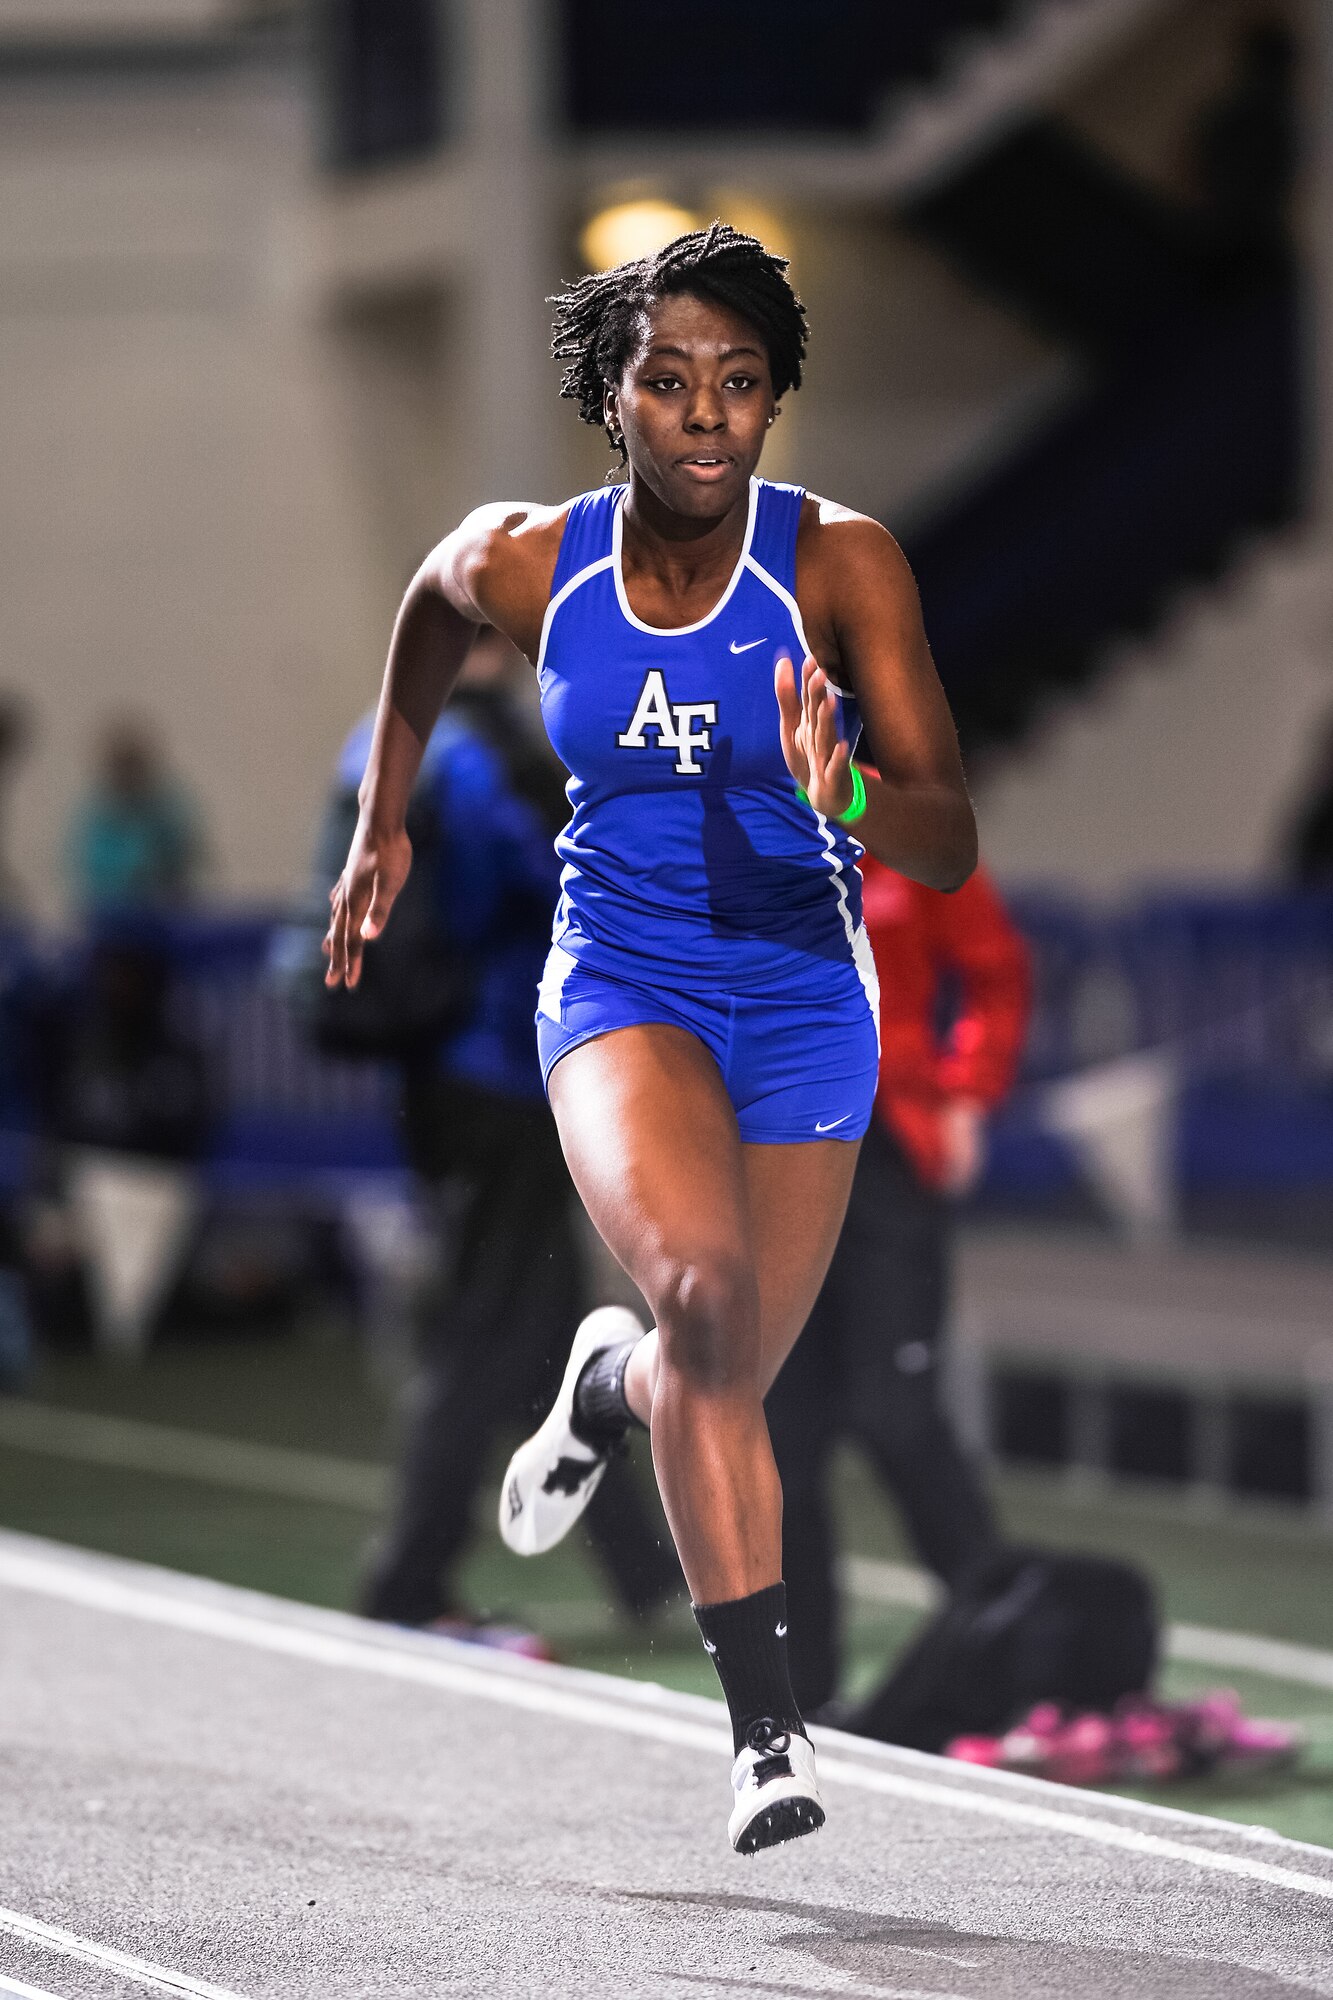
[{"x": 285, "y": 1828}]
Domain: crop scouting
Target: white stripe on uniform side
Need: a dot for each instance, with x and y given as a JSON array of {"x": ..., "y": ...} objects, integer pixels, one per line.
[
  {"x": 158, "y": 1978},
  {"x": 331, "y": 1639},
  {"x": 567, "y": 590},
  {"x": 869, "y": 971},
  {"x": 862, "y": 956},
  {"x": 551, "y": 992}
]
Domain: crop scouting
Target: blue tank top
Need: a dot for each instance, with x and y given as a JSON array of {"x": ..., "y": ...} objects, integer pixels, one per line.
[{"x": 690, "y": 861}]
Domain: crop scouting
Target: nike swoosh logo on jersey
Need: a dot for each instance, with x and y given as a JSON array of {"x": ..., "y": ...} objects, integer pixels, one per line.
[
  {"x": 780, "y": 1631},
  {"x": 749, "y": 645},
  {"x": 834, "y": 1126}
]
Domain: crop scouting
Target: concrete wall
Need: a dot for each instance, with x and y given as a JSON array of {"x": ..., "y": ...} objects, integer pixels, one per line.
[
  {"x": 1185, "y": 759},
  {"x": 220, "y": 465},
  {"x": 1183, "y": 763},
  {"x": 234, "y": 416},
  {"x": 184, "y": 527}
]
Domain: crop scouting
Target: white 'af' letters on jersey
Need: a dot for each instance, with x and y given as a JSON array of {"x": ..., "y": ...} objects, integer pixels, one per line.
[{"x": 674, "y": 722}]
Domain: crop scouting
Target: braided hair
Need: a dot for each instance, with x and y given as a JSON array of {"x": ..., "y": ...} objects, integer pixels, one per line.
[{"x": 597, "y": 318}]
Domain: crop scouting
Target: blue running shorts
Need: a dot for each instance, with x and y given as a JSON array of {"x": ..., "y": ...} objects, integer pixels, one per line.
[{"x": 796, "y": 1068}]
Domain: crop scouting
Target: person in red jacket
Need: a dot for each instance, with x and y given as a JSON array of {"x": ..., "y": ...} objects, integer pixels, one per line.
[{"x": 954, "y": 998}]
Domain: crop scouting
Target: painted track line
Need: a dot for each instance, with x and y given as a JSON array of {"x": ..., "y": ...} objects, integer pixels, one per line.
[
  {"x": 85, "y": 1437},
  {"x": 876, "y": 1582},
  {"x": 23, "y": 1991},
  {"x": 332, "y": 1639},
  {"x": 124, "y": 1444},
  {"x": 1248, "y": 1653},
  {"x": 158, "y": 1978}
]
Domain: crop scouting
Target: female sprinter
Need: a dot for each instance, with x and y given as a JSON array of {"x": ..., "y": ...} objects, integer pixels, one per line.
[{"x": 707, "y": 647}]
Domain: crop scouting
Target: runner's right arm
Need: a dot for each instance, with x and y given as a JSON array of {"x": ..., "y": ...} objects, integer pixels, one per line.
[{"x": 476, "y": 576}]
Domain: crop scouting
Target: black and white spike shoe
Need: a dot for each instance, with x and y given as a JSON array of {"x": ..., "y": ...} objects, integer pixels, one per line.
[
  {"x": 554, "y": 1475},
  {"x": 777, "y": 1793}
]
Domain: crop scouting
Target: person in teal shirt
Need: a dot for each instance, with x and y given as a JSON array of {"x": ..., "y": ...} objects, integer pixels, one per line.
[{"x": 134, "y": 843}]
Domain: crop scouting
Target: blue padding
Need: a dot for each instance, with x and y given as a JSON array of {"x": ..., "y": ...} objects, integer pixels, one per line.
[
  {"x": 1024, "y": 1163},
  {"x": 1236, "y": 1139},
  {"x": 278, "y": 1145},
  {"x": 1240, "y": 986},
  {"x": 17, "y": 1152}
]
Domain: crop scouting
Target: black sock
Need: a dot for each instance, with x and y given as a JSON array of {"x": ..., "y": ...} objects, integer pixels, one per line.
[
  {"x": 747, "y": 1640},
  {"x": 601, "y": 1416}
]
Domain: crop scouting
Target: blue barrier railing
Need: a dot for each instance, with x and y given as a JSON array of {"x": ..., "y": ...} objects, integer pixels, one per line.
[
  {"x": 286, "y": 1115},
  {"x": 1239, "y": 987}
]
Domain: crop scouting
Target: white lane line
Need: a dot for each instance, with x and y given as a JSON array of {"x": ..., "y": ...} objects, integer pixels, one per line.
[
  {"x": 861, "y": 1988},
  {"x": 24, "y": 1991},
  {"x": 1248, "y": 1653},
  {"x": 547, "y": 1691},
  {"x": 84, "y": 1437},
  {"x": 876, "y": 1582},
  {"x": 159, "y": 1978}
]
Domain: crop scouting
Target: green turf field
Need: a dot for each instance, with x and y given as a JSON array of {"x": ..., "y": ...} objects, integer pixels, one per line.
[{"x": 1265, "y": 1572}]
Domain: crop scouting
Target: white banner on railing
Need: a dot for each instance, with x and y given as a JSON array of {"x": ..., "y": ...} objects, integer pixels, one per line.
[
  {"x": 1120, "y": 1117},
  {"x": 133, "y": 1217}
]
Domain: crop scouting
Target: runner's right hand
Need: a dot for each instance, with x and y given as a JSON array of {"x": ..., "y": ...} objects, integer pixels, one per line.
[{"x": 361, "y": 899}]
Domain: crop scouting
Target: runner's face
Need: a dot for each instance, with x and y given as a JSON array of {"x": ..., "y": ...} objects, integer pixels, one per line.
[{"x": 694, "y": 405}]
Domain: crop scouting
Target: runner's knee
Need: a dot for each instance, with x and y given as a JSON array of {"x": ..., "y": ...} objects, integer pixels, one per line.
[{"x": 708, "y": 1321}]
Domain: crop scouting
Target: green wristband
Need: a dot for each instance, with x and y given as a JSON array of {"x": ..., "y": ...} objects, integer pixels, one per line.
[{"x": 858, "y": 804}]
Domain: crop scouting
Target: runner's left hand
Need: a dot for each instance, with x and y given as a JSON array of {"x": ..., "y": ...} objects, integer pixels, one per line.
[
  {"x": 963, "y": 1133},
  {"x": 817, "y": 754}
]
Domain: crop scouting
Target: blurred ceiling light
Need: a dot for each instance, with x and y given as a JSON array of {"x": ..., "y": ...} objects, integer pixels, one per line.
[
  {"x": 752, "y": 218},
  {"x": 632, "y": 229}
]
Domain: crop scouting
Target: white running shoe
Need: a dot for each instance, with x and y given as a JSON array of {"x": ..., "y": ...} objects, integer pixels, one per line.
[
  {"x": 554, "y": 1475},
  {"x": 777, "y": 1793}
]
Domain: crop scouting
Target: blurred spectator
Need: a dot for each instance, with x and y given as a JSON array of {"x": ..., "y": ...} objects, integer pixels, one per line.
[
  {"x": 15, "y": 1325},
  {"x": 868, "y": 1366},
  {"x": 15, "y": 735},
  {"x": 124, "y": 1107},
  {"x": 134, "y": 842},
  {"x": 16, "y": 984},
  {"x": 483, "y": 1141},
  {"x": 116, "y": 1072},
  {"x": 1308, "y": 844}
]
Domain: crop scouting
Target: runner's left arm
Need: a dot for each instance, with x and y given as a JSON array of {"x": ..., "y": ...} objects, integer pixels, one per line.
[{"x": 918, "y": 816}]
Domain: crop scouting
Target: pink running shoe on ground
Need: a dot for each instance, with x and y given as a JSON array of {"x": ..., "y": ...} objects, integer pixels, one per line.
[{"x": 1143, "y": 1742}]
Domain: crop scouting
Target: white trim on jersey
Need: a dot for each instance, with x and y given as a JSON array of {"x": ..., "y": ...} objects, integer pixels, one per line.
[
  {"x": 783, "y": 595},
  {"x": 551, "y": 992},
  {"x": 567, "y": 590},
  {"x": 560, "y": 963},
  {"x": 862, "y": 956},
  {"x": 681, "y": 631},
  {"x": 794, "y": 610}
]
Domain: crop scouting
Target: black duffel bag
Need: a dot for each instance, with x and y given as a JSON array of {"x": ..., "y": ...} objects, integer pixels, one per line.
[{"x": 1025, "y": 1625}]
